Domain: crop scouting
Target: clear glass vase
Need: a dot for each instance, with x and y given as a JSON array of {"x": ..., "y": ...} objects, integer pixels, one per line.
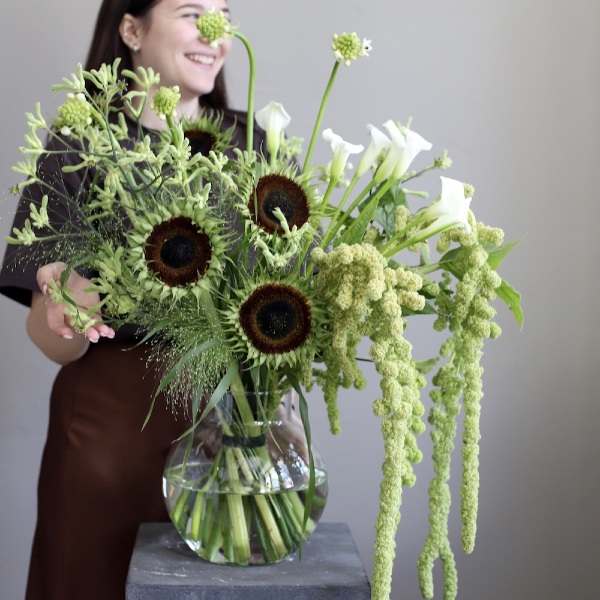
[{"x": 237, "y": 490}]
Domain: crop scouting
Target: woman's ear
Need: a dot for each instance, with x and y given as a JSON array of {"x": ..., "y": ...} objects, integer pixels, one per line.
[{"x": 130, "y": 32}]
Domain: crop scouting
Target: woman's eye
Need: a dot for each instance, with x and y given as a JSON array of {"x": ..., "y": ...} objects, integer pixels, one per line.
[{"x": 193, "y": 16}]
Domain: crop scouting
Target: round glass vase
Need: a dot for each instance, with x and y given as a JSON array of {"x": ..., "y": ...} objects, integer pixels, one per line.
[{"x": 237, "y": 490}]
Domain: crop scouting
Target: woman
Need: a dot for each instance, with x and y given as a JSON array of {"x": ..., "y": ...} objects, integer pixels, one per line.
[{"x": 101, "y": 475}]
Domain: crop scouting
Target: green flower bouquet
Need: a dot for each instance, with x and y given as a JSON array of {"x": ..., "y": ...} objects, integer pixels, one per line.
[{"x": 247, "y": 277}]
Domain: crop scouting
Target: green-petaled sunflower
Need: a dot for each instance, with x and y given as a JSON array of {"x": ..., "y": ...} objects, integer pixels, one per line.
[
  {"x": 177, "y": 249},
  {"x": 282, "y": 189},
  {"x": 275, "y": 322},
  {"x": 205, "y": 134}
]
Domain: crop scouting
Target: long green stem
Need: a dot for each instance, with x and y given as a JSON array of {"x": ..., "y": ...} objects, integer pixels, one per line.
[
  {"x": 393, "y": 241},
  {"x": 197, "y": 516},
  {"x": 307, "y": 244},
  {"x": 317, "y": 126},
  {"x": 336, "y": 221},
  {"x": 239, "y": 528},
  {"x": 251, "y": 83}
]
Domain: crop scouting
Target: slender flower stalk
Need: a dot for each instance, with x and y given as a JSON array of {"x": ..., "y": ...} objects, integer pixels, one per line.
[
  {"x": 346, "y": 47},
  {"x": 336, "y": 222},
  {"x": 251, "y": 85},
  {"x": 216, "y": 28},
  {"x": 319, "y": 119},
  {"x": 340, "y": 220}
]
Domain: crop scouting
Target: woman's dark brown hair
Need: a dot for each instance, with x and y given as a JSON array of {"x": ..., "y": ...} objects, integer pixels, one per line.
[{"x": 107, "y": 44}]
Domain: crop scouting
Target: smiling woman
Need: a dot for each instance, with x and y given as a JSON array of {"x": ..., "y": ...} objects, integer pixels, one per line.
[
  {"x": 100, "y": 476},
  {"x": 111, "y": 40},
  {"x": 166, "y": 39}
]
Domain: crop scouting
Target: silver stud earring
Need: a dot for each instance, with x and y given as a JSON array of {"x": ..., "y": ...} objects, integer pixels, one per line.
[{"x": 135, "y": 48}]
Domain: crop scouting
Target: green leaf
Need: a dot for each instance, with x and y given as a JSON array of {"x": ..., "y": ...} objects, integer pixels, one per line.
[
  {"x": 354, "y": 234},
  {"x": 428, "y": 309},
  {"x": 425, "y": 366},
  {"x": 512, "y": 298},
  {"x": 220, "y": 390},
  {"x": 384, "y": 215},
  {"x": 497, "y": 255},
  {"x": 449, "y": 257},
  {"x": 214, "y": 399}
]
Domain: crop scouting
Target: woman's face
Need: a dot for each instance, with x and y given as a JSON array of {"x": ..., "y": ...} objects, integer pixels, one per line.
[{"x": 168, "y": 42}]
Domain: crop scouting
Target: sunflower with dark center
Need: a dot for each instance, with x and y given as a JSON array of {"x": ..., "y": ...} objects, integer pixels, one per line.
[
  {"x": 177, "y": 249},
  {"x": 275, "y": 322},
  {"x": 178, "y": 252},
  {"x": 279, "y": 191},
  {"x": 201, "y": 142},
  {"x": 205, "y": 134},
  {"x": 276, "y": 318}
]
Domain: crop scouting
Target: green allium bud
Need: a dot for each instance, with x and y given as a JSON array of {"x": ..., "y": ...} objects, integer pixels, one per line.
[
  {"x": 214, "y": 27},
  {"x": 165, "y": 101},
  {"x": 348, "y": 47},
  {"x": 75, "y": 112}
]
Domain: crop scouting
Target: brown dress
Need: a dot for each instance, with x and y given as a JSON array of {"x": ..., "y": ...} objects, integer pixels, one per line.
[{"x": 100, "y": 474}]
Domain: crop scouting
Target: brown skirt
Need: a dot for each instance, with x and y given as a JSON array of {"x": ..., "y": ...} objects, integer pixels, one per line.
[{"x": 100, "y": 474}]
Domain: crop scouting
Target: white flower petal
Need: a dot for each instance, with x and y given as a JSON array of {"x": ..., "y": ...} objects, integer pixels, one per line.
[
  {"x": 341, "y": 151},
  {"x": 453, "y": 207},
  {"x": 379, "y": 143},
  {"x": 406, "y": 144},
  {"x": 273, "y": 118}
]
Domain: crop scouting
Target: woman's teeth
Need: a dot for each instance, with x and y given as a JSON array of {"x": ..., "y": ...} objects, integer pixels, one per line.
[{"x": 203, "y": 60}]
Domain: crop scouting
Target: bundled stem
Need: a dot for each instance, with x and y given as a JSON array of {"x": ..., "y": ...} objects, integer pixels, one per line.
[{"x": 242, "y": 505}]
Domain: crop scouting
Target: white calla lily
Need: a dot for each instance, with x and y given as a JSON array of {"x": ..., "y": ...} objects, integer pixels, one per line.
[
  {"x": 341, "y": 151},
  {"x": 406, "y": 144},
  {"x": 451, "y": 210},
  {"x": 273, "y": 118},
  {"x": 379, "y": 143}
]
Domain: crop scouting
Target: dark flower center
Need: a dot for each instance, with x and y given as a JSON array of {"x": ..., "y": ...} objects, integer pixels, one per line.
[
  {"x": 177, "y": 252},
  {"x": 276, "y": 318},
  {"x": 201, "y": 142},
  {"x": 278, "y": 191}
]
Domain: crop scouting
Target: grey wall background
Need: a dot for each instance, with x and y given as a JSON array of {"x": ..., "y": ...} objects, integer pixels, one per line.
[{"x": 513, "y": 90}]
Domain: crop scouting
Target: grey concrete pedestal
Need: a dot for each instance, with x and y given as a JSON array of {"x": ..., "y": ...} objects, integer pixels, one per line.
[{"x": 164, "y": 568}]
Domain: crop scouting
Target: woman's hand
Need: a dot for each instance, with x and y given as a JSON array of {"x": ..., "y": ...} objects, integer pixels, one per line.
[{"x": 50, "y": 328}]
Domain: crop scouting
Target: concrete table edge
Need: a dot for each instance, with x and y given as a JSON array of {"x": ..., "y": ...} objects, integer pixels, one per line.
[{"x": 164, "y": 568}]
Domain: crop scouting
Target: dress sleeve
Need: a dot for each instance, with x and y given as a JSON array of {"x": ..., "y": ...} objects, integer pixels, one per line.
[{"x": 20, "y": 264}]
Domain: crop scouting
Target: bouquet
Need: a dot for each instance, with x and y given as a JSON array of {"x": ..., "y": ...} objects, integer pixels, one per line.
[{"x": 254, "y": 271}]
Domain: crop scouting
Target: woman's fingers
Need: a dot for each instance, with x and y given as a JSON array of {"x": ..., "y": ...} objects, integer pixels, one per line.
[
  {"x": 57, "y": 319},
  {"x": 48, "y": 273},
  {"x": 55, "y": 316}
]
